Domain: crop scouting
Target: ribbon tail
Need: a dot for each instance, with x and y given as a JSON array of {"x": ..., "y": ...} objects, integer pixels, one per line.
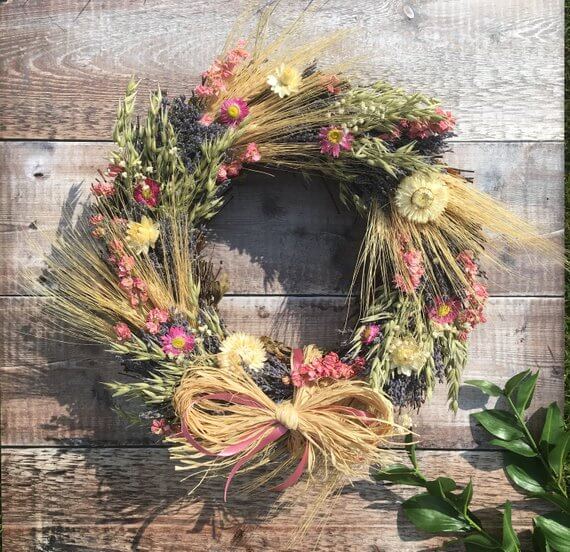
[
  {"x": 296, "y": 475},
  {"x": 277, "y": 432}
]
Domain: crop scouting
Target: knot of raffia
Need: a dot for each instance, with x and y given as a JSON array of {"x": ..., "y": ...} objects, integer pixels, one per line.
[
  {"x": 286, "y": 415},
  {"x": 227, "y": 421}
]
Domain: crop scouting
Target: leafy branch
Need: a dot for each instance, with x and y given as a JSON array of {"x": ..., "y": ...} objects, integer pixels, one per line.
[{"x": 536, "y": 466}]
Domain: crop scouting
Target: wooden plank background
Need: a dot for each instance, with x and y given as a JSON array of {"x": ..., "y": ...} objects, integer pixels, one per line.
[{"x": 76, "y": 477}]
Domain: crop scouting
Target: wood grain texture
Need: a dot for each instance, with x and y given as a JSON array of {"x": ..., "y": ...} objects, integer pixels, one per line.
[
  {"x": 52, "y": 392},
  {"x": 132, "y": 499},
  {"x": 279, "y": 235},
  {"x": 497, "y": 65}
]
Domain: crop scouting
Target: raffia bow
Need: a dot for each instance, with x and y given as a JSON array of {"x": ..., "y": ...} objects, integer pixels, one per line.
[{"x": 229, "y": 422}]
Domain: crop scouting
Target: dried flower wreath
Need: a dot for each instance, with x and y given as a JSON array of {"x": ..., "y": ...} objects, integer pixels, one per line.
[{"x": 136, "y": 279}]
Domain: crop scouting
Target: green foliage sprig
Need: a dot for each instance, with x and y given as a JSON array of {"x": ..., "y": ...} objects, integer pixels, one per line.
[{"x": 535, "y": 466}]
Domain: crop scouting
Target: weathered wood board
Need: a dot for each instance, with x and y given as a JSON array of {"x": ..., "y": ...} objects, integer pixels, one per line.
[
  {"x": 132, "y": 499},
  {"x": 499, "y": 65},
  {"x": 77, "y": 477}
]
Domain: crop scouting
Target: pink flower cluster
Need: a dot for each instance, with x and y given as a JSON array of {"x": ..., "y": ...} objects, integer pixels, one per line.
[
  {"x": 215, "y": 79},
  {"x": 231, "y": 170},
  {"x": 154, "y": 319},
  {"x": 420, "y": 130},
  {"x": 329, "y": 366},
  {"x": 415, "y": 266},
  {"x": 161, "y": 427},
  {"x": 105, "y": 187},
  {"x": 123, "y": 332},
  {"x": 476, "y": 296},
  {"x": 135, "y": 288}
]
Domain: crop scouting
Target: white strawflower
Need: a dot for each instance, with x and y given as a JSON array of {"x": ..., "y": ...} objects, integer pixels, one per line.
[
  {"x": 407, "y": 356},
  {"x": 421, "y": 197},
  {"x": 243, "y": 350},
  {"x": 285, "y": 80}
]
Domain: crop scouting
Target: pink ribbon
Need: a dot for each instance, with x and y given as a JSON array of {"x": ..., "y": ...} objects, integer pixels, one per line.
[{"x": 267, "y": 433}]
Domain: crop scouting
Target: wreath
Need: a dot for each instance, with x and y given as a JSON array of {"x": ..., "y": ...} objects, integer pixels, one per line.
[{"x": 135, "y": 277}]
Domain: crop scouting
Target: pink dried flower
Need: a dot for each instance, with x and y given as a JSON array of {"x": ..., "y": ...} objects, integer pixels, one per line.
[
  {"x": 177, "y": 341},
  {"x": 154, "y": 319},
  {"x": 251, "y": 154},
  {"x": 125, "y": 265},
  {"x": 465, "y": 258},
  {"x": 147, "y": 192},
  {"x": 329, "y": 366},
  {"x": 331, "y": 84},
  {"x": 103, "y": 189},
  {"x": 334, "y": 139},
  {"x": 114, "y": 170},
  {"x": 370, "y": 333},
  {"x": 222, "y": 175},
  {"x": 161, "y": 427},
  {"x": 203, "y": 91},
  {"x": 123, "y": 331},
  {"x": 206, "y": 119},
  {"x": 98, "y": 232},
  {"x": 444, "y": 311},
  {"x": 233, "y": 169},
  {"x": 463, "y": 336},
  {"x": 415, "y": 268},
  {"x": 96, "y": 219},
  {"x": 233, "y": 111}
]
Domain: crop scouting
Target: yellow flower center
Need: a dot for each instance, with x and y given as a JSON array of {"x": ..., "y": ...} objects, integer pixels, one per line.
[
  {"x": 234, "y": 111},
  {"x": 443, "y": 310},
  {"x": 146, "y": 191},
  {"x": 179, "y": 342},
  {"x": 334, "y": 136},
  {"x": 422, "y": 198},
  {"x": 288, "y": 76}
]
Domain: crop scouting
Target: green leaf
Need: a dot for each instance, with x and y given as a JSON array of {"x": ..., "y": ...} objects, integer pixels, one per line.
[
  {"x": 518, "y": 446},
  {"x": 441, "y": 486},
  {"x": 539, "y": 543},
  {"x": 555, "y": 527},
  {"x": 512, "y": 384},
  {"x": 463, "y": 500},
  {"x": 487, "y": 387},
  {"x": 553, "y": 426},
  {"x": 524, "y": 391},
  {"x": 499, "y": 423},
  {"x": 400, "y": 474},
  {"x": 510, "y": 540},
  {"x": 559, "y": 453},
  {"x": 433, "y": 514},
  {"x": 411, "y": 449},
  {"x": 478, "y": 542},
  {"x": 527, "y": 473}
]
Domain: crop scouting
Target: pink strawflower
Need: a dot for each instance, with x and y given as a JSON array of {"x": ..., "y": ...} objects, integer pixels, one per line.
[
  {"x": 233, "y": 111},
  {"x": 96, "y": 219},
  {"x": 154, "y": 319},
  {"x": 206, "y": 119},
  {"x": 103, "y": 189},
  {"x": 369, "y": 334},
  {"x": 147, "y": 192},
  {"x": 161, "y": 427},
  {"x": 123, "y": 331},
  {"x": 329, "y": 366},
  {"x": 444, "y": 311},
  {"x": 177, "y": 341},
  {"x": 334, "y": 139},
  {"x": 251, "y": 154}
]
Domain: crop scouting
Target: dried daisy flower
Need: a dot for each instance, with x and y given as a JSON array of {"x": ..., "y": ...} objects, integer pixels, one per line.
[
  {"x": 407, "y": 355},
  {"x": 242, "y": 350},
  {"x": 142, "y": 235},
  {"x": 233, "y": 111},
  {"x": 421, "y": 197},
  {"x": 285, "y": 80}
]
